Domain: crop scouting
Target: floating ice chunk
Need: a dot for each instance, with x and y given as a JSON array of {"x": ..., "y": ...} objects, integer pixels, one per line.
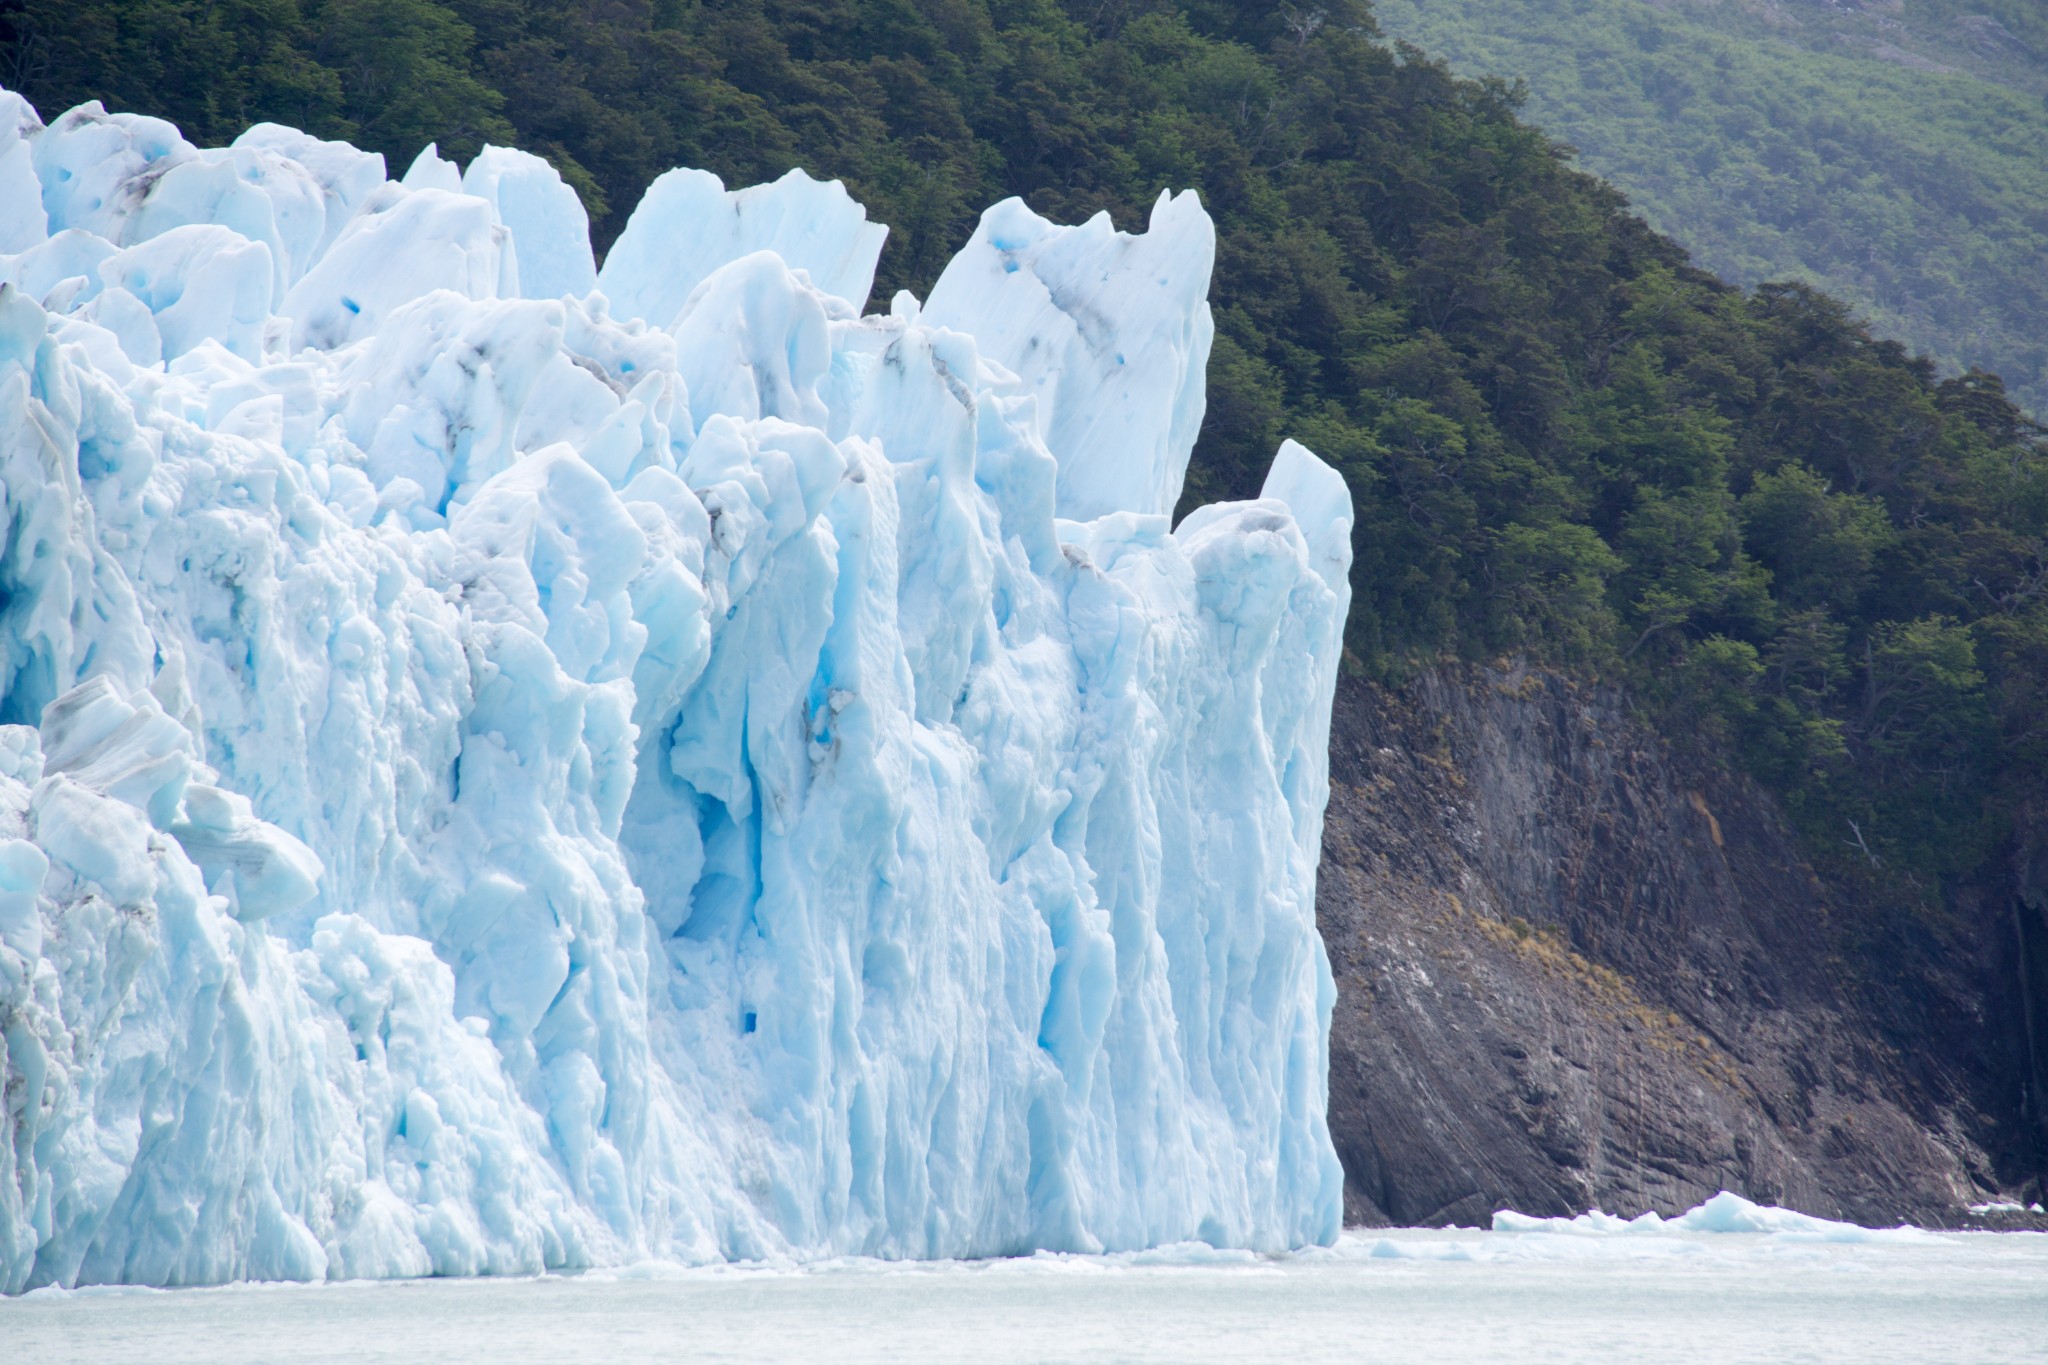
[
  {"x": 1110, "y": 331},
  {"x": 688, "y": 225},
  {"x": 1590, "y": 1223},
  {"x": 549, "y": 227},
  {"x": 1387, "y": 1249},
  {"x": 1727, "y": 1212},
  {"x": 1724, "y": 1213}
]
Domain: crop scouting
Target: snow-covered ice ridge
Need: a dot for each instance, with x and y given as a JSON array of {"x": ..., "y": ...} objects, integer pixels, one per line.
[{"x": 509, "y": 765}]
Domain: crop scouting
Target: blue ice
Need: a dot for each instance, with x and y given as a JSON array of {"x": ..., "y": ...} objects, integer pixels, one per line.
[{"x": 507, "y": 765}]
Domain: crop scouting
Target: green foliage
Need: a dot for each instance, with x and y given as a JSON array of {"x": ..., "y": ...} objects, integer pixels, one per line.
[
  {"x": 1792, "y": 541},
  {"x": 1821, "y": 547},
  {"x": 390, "y": 74},
  {"x": 1890, "y": 154}
]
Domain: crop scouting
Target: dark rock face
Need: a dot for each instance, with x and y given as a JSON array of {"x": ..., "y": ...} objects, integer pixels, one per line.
[{"x": 1573, "y": 973}]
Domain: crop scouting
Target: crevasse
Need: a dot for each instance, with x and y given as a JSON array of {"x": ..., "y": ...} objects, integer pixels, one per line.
[{"x": 508, "y": 765}]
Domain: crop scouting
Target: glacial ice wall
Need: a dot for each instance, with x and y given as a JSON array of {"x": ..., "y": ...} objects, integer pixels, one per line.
[{"x": 505, "y": 766}]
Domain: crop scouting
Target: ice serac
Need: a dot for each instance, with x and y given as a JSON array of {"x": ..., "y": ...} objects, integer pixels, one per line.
[
  {"x": 688, "y": 225},
  {"x": 496, "y": 774},
  {"x": 1110, "y": 331},
  {"x": 545, "y": 217},
  {"x": 23, "y": 223}
]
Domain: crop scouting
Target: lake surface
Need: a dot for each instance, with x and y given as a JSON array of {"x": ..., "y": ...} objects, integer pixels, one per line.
[{"x": 1436, "y": 1297}]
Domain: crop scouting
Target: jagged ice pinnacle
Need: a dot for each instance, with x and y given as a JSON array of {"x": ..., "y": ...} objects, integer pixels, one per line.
[{"x": 505, "y": 765}]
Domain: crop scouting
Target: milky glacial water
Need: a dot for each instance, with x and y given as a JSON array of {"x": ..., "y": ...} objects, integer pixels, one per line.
[{"x": 1437, "y": 1297}]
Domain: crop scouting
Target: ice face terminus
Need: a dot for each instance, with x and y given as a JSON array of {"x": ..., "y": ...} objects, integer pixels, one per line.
[{"x": 510, "y": 765}]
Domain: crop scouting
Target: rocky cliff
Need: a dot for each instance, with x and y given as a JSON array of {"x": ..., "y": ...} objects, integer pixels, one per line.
[{"x": 1577, "y": 970}]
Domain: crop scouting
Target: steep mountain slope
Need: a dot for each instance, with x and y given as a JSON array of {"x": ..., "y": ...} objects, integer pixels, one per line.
[
  {"x": 1575, "y": 970},
  {"x": 1886, "y": 151}
]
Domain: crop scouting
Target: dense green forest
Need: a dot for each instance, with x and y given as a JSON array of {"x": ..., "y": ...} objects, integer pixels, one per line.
[
  {"x": 1795, "y": 544},
  {"x": 1889, "y": 152}
]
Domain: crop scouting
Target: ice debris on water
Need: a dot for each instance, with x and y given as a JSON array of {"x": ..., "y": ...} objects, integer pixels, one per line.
[
  {"x": 505, "y": 765},
  {"x": 1726, "y": 1212}
]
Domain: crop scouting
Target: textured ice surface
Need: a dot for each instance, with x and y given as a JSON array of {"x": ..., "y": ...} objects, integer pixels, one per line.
[
  {"x": 496, "y": 774},
  {"x": 688, "y": 225},
  {"x": 1110, "y": 332}
]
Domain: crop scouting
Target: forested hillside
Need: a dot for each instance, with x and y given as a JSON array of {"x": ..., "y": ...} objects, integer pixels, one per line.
[
  {"x": 1797, "y": 545},
  {"x": 1889, "y": 152}
]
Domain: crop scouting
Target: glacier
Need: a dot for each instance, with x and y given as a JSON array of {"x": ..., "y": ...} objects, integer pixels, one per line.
[{"x": 507, "y": 764}]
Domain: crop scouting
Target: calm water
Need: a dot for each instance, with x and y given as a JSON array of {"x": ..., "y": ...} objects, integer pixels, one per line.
[{"x": 1436, "y": 1297}]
